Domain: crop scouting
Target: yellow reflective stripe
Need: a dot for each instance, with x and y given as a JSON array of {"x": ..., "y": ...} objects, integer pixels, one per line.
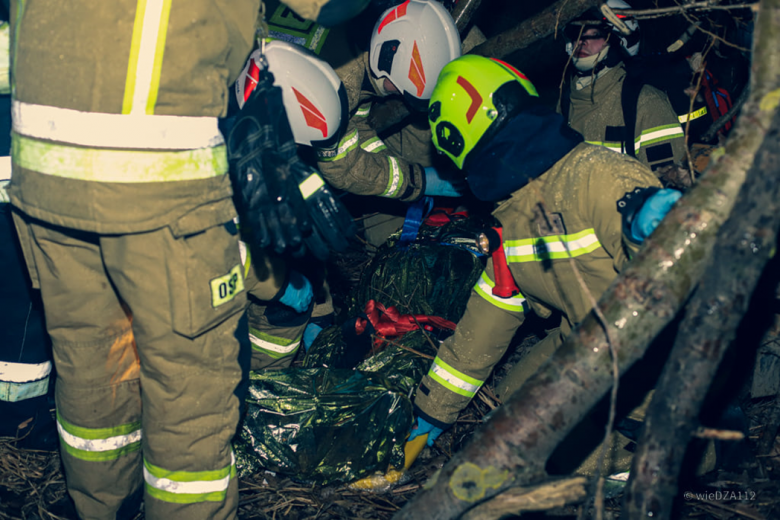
[
  {"x": 484, "y": 288},
  {"x": 101, "y": 130},
  {"x": 273, "y": 346},
  {"x": 317, "y": 40},
  {"x": 5, "y": 58},
  {"x": 453, "y": 379},
  {"x": 188, "y": 487},
  {"x": 373, "y": 145},
  {"x": 363, "y": 110},
  {"x": 615, "y": 147},
  {"x": 696, "y": 114},
  {"x": 660, "y": 133},
  {"x": 347, "y": 144},
  {"x": 396, "y": 179},
  {"x": 99, "y": 444},
  {"x": 552, "y": 247},
  {"x": 146, "y": 52},
  {"x": 650, "y": 136},
  {"x": 3, "y": 193},
  {"x": 93, "y": 164},
  {"x": 309, "y": 186}
]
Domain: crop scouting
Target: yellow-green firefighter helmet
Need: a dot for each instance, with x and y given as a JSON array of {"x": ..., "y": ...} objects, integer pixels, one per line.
[{"x": 473, "y": 97}]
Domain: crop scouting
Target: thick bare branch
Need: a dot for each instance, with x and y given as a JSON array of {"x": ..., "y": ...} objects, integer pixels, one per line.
[
  {"x": 542, "y": 497},
  {"x": 463, "y": 12},
  {"x": 528, "y": 31},
  {"x": 745, "y": 244}
]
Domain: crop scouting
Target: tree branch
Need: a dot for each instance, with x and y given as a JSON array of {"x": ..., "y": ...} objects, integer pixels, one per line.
[
  {"x": 744, "y": 247},
  {"x": 511, "y": 448},
  {"x": 534, "y": 28}
]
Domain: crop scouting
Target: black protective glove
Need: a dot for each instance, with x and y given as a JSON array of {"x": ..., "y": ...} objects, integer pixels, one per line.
[
  {"x": 332, "y": 223},
  {"x": 261, "y": 152}
]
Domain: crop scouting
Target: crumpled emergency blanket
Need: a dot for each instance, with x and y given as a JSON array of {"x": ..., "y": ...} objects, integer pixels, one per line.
[{"x": 346, "y": 414}]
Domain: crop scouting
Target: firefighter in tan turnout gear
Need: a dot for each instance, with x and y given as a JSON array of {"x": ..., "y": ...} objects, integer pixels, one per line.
[
  {"x": 127, "y": 224},
  {"x": 315, "y": 102},
  {"x": 599, "y": 90},
  {"x": 409, "y": 45},
  {"x": 559, "y": 202}
]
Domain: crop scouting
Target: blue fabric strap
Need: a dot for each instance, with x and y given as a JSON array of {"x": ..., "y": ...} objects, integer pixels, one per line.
[{"x": 415, "y": 214}]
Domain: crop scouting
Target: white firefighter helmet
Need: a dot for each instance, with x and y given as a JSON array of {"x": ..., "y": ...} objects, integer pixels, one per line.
[
  {"x": 313, "y": 95},
  {"x": 410, "y": 45},
  {"x": 629, "y": 42}
]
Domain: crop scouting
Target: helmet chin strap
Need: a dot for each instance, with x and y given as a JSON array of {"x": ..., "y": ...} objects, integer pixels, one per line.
[{"x": 588, "y": 63}]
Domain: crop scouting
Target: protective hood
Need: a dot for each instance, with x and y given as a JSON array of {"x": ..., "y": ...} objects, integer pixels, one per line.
[
  {"x": 524, "y": 149},
  {"x": 583, "y": 64}
]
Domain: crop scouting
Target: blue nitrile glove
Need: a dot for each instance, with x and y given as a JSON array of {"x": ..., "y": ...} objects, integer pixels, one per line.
[
  {"x": 310, "y": 333},
  {"x": 298, "y": 293},
  {"x": 435, "y": 185},
  {"x": 422, "y": 427},
  {"x": 652, "y": 212}
]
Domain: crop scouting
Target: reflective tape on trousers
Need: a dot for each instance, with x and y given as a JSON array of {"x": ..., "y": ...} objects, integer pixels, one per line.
[
  {"x": 187, "y": 487},
  {"x": 273, "y": 346},
  {"x": 99, "y": 444},
  {"x": 454, "y": 380}
]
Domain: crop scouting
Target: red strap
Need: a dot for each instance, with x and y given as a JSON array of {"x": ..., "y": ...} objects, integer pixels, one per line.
[
  {"x": 505, "y": 284},
  {"x": 441, "y": 216},
  {"x": 389, "y": 323}
]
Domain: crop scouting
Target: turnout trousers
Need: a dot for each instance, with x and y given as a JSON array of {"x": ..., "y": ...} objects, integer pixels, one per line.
[{"x": 146, "y": 339}]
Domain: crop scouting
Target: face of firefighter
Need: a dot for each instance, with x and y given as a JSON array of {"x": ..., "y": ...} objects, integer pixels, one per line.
[
  {"x": 390, "y": 88},
  {"x": 590, "y": 43}
]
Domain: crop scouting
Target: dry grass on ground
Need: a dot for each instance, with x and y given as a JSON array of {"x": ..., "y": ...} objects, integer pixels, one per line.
[{"x": 32, "y": 485}]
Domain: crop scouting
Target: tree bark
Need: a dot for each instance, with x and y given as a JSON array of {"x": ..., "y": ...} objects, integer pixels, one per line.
[
  {"x": 463, "y": 12},
  {"x": 745, "y": 245},
  {"x": 553, "y": 18},
  {"x": 542, "y": 497},
  {"x": 511, "y": 448}
]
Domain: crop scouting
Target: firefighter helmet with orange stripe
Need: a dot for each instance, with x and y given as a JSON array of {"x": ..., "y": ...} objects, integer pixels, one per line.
[
  {"x": 313, "y": 95},
  {"x": 473, "y": 98},
  {"x": 410, "y": 45}
]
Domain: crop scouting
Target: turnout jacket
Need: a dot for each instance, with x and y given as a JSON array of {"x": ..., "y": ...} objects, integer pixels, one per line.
[
  {"x": 580, "y": 193},
  {"x": 115, "y": 126},
  {"x": 364, "y": 163},
  {"x": 597, "y": 113}
]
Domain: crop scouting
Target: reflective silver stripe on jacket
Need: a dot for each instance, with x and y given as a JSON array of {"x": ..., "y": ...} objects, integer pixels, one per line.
[
  {"x": 5, "y": 177},
  {"x": 123, "y": 131}
]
